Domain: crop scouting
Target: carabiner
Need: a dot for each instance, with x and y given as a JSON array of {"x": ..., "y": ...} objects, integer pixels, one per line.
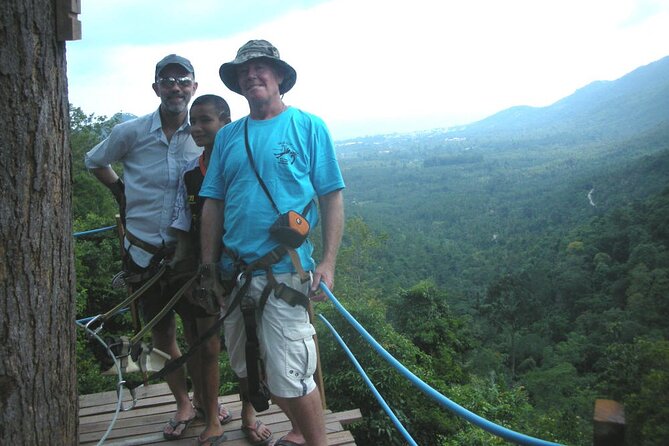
[{"x": 93, "y": 319}]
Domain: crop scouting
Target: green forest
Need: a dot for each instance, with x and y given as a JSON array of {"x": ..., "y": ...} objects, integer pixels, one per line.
[{"x": 522, "y": 274}]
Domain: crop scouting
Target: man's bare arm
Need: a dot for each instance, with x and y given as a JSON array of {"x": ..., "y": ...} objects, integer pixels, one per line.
[
  {"x": 105, "y": 175},
  {"x": 332, "y": 218},
  {"x": 211, "y": 230}
]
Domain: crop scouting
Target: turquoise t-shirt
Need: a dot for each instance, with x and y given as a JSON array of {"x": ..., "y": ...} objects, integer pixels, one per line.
[{"x": 294, "y": 155}]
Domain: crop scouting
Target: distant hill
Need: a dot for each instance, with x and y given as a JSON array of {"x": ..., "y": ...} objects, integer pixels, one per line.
[{"x": 636, "y": 103}]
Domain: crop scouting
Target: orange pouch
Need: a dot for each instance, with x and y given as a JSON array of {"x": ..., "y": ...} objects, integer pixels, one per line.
[{"x": 290, "y": 229}]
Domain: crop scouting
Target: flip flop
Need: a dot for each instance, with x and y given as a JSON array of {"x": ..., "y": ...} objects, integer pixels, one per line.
[
  {"x": 283, "y": 442},
  {"x": 174, "y": 424},
  {"x": 251, "y": 430},
  {"x": 224, "y": 415},
  {"x": 214, "y": 440}
]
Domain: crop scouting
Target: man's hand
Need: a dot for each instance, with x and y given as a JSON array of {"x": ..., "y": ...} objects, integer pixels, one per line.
[
  {"x": 117, "y": 189},
  {"x": 182, "y": 264},
  {"x": 324, "y": 272},
  {"x": 183, "y": 260},
  {"x": 210, "y": 293}
]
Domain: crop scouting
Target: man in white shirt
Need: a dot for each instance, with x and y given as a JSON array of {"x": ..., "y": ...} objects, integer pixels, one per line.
[{"x": 153, "y": 150}]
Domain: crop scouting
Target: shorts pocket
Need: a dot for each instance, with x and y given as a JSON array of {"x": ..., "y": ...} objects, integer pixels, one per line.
[{"x": 300, "y": 352}]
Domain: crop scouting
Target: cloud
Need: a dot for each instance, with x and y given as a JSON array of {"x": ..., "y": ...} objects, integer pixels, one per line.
[{"x": 381, "y": 66}]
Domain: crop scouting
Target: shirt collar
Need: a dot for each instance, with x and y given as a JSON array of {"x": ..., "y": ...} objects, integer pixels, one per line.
[{"x": 156, "y": 124}]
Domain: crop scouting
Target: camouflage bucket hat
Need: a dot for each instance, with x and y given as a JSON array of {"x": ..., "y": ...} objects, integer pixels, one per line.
[{"x": 254, "y": 49}]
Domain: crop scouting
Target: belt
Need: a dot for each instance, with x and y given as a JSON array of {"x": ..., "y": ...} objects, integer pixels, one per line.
[{"x": 134, "y": 240}]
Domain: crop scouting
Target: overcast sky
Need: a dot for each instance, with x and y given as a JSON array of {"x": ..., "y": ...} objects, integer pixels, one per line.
[{"x": 371, "y": 66}]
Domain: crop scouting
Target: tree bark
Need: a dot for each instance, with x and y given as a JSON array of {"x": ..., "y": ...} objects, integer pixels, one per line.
[{"x": 38, "y": 396}]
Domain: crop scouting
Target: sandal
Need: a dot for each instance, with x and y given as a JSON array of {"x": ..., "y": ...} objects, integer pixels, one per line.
[
  {"x": 283, "y": 442},
  {"x": 251, "y": 430},
  {"x": 224, "y": 415},
  {"x": 214, "y": 440},
  {"x": 174, "y": 424}
]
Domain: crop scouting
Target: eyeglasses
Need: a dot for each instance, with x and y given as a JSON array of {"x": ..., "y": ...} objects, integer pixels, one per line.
[{"x": 168, "y": 82}]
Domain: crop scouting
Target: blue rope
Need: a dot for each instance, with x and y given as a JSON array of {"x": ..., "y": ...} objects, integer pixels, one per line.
[
  {"x": 93, "y": 231},
  {"x": 377, "y": 395},
  {"x": 484, "y": 424},
  {"x": 86, "y": 320}
]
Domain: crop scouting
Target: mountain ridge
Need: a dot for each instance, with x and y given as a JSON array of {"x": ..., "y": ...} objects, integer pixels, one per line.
[{"x": 602, "y": 109}]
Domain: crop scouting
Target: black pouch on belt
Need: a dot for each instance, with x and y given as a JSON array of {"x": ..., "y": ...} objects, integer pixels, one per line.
[{"x": 290, "y": 229}]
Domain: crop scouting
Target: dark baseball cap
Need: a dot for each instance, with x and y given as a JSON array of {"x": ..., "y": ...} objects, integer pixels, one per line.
[{"x": 176, "y": 60}]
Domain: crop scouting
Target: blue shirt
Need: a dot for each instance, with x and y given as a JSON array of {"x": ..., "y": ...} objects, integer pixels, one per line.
[
  {"x": 295, "y": 157},
  {"x": 151, "y": 169}
]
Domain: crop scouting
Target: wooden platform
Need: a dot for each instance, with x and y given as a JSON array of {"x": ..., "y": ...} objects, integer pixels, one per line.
[{"x": 143, "y": 425}]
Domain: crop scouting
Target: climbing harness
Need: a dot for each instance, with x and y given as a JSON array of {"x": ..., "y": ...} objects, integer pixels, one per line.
[
  {"x": 132, "y": 354},
  {"x": 138, "y": 357},
  {"x": 174, "y": 364},
  {"x": 257, "y": 392}
]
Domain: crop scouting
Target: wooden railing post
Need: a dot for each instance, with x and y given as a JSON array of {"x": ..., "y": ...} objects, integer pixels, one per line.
[
  {"x": 609, "y": 423},
  {"x": 318, "y": 375},
  {"x": 68, "y": 26}
]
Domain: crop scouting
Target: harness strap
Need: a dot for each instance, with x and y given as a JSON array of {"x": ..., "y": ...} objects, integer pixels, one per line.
[
  {"x": 297, "y": 264},
  {"x": 282, "y": 291},
  {"x": 134, "y": 296},
  {"x": 163, "y": 312},
  {"x": 257, "y": 391},
  {"x": 134, "y": 240},
  {"x": 180, "y": 361}
]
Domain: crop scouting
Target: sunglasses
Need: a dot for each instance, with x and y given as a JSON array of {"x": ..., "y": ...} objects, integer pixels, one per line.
[{"x": 168, "y": 82}]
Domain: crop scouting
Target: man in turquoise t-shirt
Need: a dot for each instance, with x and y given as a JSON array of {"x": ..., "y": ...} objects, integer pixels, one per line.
[{"x": 294, "y": 157}]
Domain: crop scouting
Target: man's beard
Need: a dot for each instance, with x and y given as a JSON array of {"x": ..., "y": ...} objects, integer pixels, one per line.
[{"x": 176, "y": 107}]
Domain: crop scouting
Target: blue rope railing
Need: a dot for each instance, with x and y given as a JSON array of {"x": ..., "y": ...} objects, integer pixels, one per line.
[
  {"x": 369, "y": 383},
  {"x": 93, "y": 231},
  {"x": 481, "y": 422}
]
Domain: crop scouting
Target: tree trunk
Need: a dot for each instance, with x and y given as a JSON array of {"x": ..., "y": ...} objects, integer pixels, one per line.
[{"x": 38, "y": 397}]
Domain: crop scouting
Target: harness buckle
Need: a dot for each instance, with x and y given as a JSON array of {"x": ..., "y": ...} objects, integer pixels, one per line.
[{"x": 247, "y": 305}]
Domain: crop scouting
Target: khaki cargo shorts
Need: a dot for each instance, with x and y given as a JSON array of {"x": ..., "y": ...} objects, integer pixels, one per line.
[{"x": 287, "y": 346}]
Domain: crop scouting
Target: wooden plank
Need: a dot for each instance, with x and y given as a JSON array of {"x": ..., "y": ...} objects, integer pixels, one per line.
[
  {"x": 144, "y": 424},
  {"x": 110, "y": 397},
  {"x": 160, "y": 413},
  {"x": 141, "y": 403},
  {"x": 347, "y": 417},
  {"x": 155, "y": 423},
  {"x": 341, "y": 438},
  {"x": 144, "y": 403}
]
